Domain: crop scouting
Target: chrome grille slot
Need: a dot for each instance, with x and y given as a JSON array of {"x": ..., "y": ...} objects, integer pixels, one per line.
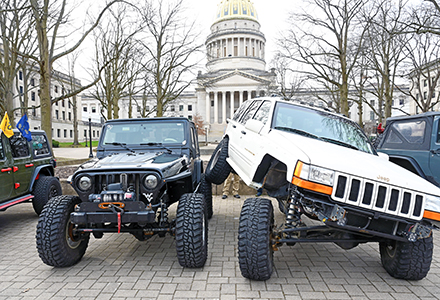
[{"x": 378, "y": 196}]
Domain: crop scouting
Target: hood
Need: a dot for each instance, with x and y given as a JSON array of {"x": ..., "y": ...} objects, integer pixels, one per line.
[
  {"x": 128, "y": 160},
  {"x": 358, "y": 163}
]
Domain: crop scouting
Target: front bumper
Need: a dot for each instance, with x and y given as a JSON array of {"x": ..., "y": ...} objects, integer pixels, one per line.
[
  {"x": 363, "y": 222},
  {"x": 131, "y": 212}
]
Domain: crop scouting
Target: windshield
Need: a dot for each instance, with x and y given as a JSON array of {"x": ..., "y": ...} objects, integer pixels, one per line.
[
  {"x": 148, "y": 133},
  {"x": 316, "y": 124}
]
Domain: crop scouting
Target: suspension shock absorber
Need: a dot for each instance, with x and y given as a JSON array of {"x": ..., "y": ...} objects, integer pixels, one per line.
[
  {"x": 163, "y": 214},
  {"x": 293, "y": 211}
]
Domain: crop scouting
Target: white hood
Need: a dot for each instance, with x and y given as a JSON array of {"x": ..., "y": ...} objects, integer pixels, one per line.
[{"x": 353, "y": 162}]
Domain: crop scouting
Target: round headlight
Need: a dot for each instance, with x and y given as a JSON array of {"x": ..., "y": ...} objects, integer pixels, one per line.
[
  {"x": 84, "y": 183},
  {"x": 150, "y": 182}
]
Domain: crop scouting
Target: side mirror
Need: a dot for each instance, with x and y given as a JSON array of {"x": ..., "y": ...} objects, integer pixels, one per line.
[
  {"x": 383, "y": 156},
  {"x": 254, "y": 125}
]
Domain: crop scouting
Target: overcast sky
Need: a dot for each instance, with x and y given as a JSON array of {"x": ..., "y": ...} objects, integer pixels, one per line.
[{"x": 272, "y": 16}]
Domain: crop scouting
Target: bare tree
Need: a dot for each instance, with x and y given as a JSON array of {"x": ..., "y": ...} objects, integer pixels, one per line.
[
  {"x": 320, "y": 41},
  {"x": 288, "y": 80},
  {"x": 426, "y": 18},
  {"x": 117, "y": 54},
  {"x": 423, "y": 53},
  {"x": 170, "y": 44},
  {"x": 200, "y": 124},
  {"x": 15, "y": 27},
  {"x": 383, "y": 46},
  {"x": 49, "y": 18}
]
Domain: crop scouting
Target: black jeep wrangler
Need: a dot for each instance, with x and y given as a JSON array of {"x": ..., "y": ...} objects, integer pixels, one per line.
[
  {"x": 27, "y": 171},
  {"x": 142, "y": 167}
]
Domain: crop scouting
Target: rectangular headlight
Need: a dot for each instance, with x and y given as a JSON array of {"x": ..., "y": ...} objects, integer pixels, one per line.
[
  {"x": 432, "y": 203},
  {"x": 321, "y": 175},
  {"x": 313, "y": 178}
]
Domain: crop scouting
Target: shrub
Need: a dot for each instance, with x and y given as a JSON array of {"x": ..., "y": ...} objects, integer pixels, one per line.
[{"x": 55, "y": 144}]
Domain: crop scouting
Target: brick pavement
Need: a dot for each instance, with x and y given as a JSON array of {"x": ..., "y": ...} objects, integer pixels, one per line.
[{"x": 120, "y": 267}]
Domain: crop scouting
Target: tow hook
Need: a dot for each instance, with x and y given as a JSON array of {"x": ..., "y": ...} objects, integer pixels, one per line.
[
  {"x": 117, "y": 209},
  {"x": 337, "y": 215}
]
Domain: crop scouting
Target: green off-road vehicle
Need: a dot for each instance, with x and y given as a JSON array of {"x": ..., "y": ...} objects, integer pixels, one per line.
[{"x": 27, "y": 171}]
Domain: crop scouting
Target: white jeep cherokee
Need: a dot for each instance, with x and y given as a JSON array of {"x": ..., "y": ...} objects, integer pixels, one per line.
[{"x": 321, "y": 165}]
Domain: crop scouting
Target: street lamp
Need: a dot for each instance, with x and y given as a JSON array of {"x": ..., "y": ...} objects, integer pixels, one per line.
[{"x": 90, "y": 137}]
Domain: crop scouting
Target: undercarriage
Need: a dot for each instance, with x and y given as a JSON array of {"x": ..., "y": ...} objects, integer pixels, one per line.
[{"x": 345, "y": 226}]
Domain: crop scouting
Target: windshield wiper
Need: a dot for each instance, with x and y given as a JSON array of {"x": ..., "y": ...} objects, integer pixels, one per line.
[
  {"x": 157, "y": 144},
  {"x": 123, "y": 145},
  {"x": 298, "y": 131},
  {"x": 339, "y": 143}
]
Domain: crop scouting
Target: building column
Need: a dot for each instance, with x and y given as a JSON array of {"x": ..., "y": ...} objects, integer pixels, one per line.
[
  {"x": 215, "y": 107},
  {"x": 249, "y": 95},
  {"x": 241, "y": 97},
  {"x": 232, "y": 104},
  {"x": 223, "y": 107},
  {"x": 208, "y": 108}
]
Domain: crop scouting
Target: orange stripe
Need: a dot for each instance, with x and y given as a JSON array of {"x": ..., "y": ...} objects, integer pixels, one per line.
[
  {"x": 298, "y": 169},
  {"x": 431, "y": 215},
  {"x": 320, "y": 188}
]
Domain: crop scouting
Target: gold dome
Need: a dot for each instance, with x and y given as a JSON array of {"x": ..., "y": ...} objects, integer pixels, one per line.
[{"x": 236, "y": 9}]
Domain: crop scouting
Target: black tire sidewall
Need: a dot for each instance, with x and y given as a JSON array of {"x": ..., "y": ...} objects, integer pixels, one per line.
[
  {"x": 255, "y": 252},
  {"x": 42, "y": 191},
  {"x": 407, "y": 260},
  {"x": 206, "y": 190},
  {"x": 192, "y": 231},
  {"x": 218, "y": 168},
  {"x": 52, "y": 235}
]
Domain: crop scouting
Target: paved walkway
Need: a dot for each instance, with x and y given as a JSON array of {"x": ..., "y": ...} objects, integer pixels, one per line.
[{"x": 121, "y": 267}]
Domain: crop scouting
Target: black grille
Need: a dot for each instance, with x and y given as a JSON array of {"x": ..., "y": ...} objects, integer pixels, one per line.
[
  {"x": 368, "y": 194},
  {"x": 354, "y": 190},
  {"x": 378, "y": 196}
]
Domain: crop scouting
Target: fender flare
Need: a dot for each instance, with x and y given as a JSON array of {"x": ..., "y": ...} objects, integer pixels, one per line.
[
  {"x": 415, "y": 167},
  {"x": 43, "y": 169}
]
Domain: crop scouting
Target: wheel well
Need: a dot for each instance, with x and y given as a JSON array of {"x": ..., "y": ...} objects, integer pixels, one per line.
[
  {"x": 409, "y": 165},
  {"x": 46, "y": 172},
  {"x": 271, "y": 172}
]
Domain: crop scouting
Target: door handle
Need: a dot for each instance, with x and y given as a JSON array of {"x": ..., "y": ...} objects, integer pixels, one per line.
[
  {"x": 435, "y": 151},
  {"x": 6, "y": 170},
  {"x": 243, "y": 132}
]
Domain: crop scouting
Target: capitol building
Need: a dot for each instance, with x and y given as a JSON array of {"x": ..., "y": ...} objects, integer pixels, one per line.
[{"x": 235, "y": 71}]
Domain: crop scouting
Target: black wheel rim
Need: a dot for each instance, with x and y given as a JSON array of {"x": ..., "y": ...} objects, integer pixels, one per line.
[
  {"x": 53, "y": 191},
  {"x": 391, "y": 248},
  {"x": 71, "y": 238},
  {"x": 215, "y": 159}
]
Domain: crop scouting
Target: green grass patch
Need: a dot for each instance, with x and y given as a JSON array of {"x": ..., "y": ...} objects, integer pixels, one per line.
[{"x": 83, "y": 144}]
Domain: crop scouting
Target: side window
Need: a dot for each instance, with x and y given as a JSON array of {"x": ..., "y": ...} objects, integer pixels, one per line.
[
  {"x": 408, "y": 135},
  {"x": 2, "y": 152},
  {"x": 251, "y": 111},
  {"x": 194, "y": 140},
  {"x": 239, "y": 113},
  {"x": 19, "y": 146},
  {"x": 263, "y": 112},
  {"x": 39, "y": 145},
  {"x": 412, "y": 132},
  {"x": 437, "y": 139}
]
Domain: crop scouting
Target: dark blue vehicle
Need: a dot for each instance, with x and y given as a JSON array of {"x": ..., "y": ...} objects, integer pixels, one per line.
[{"x": 413, "y": 142}]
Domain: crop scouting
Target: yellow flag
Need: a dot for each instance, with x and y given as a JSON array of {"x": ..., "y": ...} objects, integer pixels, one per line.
[{"x": 6, "y": 127}]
